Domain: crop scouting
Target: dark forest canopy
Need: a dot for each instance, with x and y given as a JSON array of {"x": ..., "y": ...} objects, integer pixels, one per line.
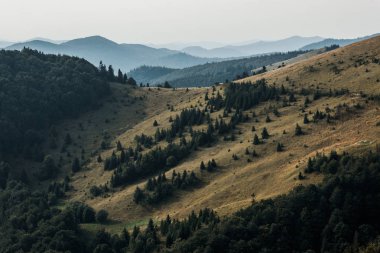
[
  {"x": 37, "y": 90},
  {"x": 339, "y": 215}
]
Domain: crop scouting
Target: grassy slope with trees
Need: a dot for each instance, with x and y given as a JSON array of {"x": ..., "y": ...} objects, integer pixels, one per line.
[{"x": 332, "y": 217}]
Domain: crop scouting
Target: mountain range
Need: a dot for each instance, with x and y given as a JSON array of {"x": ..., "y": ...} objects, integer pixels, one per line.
[
  {"x": 258, "y": 47},
  {"x": 123, "y": 56},
  {"x": 340, "y": 42},
  {"x": 131, "y": 56}
]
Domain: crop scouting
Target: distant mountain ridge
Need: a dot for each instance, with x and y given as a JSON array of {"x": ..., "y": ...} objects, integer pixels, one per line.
[
  {"x": 340, "y": 42},
  {"x": 209, "y": 73},
  {"x": 4, "y": 44},
  {"x": 128, "y": 57},
  {"x": 123, "y": 56},
  {"x": 255, "y": 48}
]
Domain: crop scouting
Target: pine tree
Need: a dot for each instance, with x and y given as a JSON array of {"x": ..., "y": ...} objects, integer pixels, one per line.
[
  {"x": 305, "y": 119},
  {"x": 149, "y": 185},
  {"x": 119, "y": 147},
  {"x": 292, "y": 98},
  {"x": 111, "y": 74},
  {"x": 268, "y": 119},
  {"x": 120, "y": 76},
  {"x": 75, "y": 166},
  {"x": 213, "y": 163},
  {"x": 298, "y": 130},
  {"x": 125, "y": 236},
  {"x": 264, "y": 133},
  {"x": 125, "y": 78},
  {"x": 135, "y": 232},
  {"x": 279, "y": 147},
  {"x": 99, "y": 159},
  {"x": 155, "y": 123},
  {"x": 256, "y": 140},
  {"x": 202, "y": 166},
  {"x": 138, "y": 195},
  {"x": 309, "y": 167}
]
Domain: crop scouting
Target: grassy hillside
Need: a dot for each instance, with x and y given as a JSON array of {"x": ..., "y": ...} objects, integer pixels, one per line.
[
  {"x": 261, "y": 135},
  {"x": 354, "y": 67},
  {"x": 271, "y": 173}
]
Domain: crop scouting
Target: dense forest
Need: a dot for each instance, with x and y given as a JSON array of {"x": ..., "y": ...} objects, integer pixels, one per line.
[
  {"x": 145, "y": 74},
  {"x": 36, "y": 91},
  {"x": 210, "y": 73},
  {"x": 339, "y": 215}
]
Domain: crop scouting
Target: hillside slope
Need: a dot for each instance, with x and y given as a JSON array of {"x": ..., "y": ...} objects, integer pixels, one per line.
[
  {"x": 343, "y": 121},
  {"x": 354, "y": 67}
]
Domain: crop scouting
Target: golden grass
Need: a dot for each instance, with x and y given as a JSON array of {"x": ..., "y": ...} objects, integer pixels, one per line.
[
  {"x": 232, "y": 185},
  {"x": 359, "y": 78}
]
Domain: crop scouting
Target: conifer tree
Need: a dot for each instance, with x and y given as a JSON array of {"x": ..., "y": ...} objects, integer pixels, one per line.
[
  {"x": 138, "y": 195},
  {"x": 119, "y": 147},
  {"x": 75, "y": 167},
  {"x": 298, "y": 130},
  {"x": 305, "y": 119},
  {"x": 264, "y": 133},
  {"x": 256, "y": 140},
  {"x": 279, "y": 147},
  {"x": 202, "y": 166}
]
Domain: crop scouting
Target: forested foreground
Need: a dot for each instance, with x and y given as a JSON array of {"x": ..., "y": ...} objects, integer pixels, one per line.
[
  {"x": 36, "y": 91},
  {"x": 340, "y": 215}
]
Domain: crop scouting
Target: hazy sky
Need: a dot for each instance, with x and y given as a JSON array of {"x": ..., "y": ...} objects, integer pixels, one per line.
[{"x": 162, "y": 21}]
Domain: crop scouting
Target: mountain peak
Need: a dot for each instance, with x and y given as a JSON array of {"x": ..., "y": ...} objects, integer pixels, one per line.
[{"x": 91, "y": 40}]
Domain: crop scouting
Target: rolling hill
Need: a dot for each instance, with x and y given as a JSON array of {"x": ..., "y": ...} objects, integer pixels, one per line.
[
  {"x": 287, "y": 160},
  {"x": 354, "y": 67},
  {"x": 270, "y": 173}
]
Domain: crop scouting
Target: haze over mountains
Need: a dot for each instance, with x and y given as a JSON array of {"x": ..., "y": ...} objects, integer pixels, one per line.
[
  {"x": 259, "y": 47},
  {"x": 340, "y": 42},
  {"x": 123, "y": 56},
  {"x": 130, "y": 56}
]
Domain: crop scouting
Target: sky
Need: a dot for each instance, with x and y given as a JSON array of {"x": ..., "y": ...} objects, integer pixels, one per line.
[{"x": 165, "y": 21}]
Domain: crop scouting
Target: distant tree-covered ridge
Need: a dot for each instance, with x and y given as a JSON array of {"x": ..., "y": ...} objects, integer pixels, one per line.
[
  {"x": 37, "y": 90},
  {"x": 209, "y": 73},
  {"x": 145, "y": 74}
]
